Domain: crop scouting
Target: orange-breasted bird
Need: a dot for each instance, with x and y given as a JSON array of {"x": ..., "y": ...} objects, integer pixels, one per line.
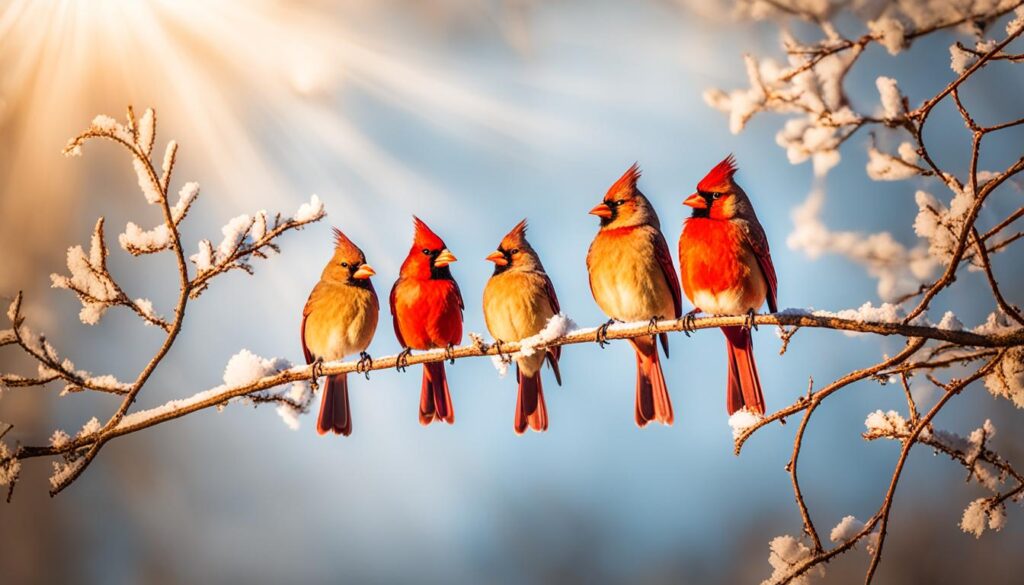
[
  {"x": 633, "y": 278},
  {"x": 519, "y": 299},
  {"x": 726, "y": 269},
  {"x": 427, "y": 308},
  {"x": 339, "y": 319}
]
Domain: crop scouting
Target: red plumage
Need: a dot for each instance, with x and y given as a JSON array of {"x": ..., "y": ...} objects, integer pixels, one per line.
[
  {"x": 720, "y": 176},
  {"x": 726, "y": 269},
  {"x": 427, "y": 308},
  {"x": 625, "y": 183}
]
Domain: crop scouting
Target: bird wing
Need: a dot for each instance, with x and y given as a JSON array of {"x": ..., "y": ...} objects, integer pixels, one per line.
[
  {"x": 394, "y": 314},
  {"x": 554, "y": 353},
  {"x": 302, "y": 334},
  {"x": 758, "y": 242},
  {"x": 668, "y": 270},
  {"x": 458, "y": 294},
  {"x": 549, "y": 289}
]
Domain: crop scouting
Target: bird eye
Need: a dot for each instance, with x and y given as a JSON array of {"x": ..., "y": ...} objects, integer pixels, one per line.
[
  {"x": 426, "y": 251},
  {"x": 620, "y": 202},
  {"x": 344, "y": 264},
  {"x": 515, "y": 250},
  {"x": 716, "y": 196}
]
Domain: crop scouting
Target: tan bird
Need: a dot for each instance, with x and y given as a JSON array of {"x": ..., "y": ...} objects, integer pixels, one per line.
[
  {"x": 633, "y": 278},
  {"x": 339, "y": 319},
  {"x": 519, "y": 299}
]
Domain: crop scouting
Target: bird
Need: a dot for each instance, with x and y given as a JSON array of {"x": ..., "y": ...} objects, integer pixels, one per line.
[
  {"x": 519, "y": 299},
  {"x": 726, "y": 269},
  {"x": 427, "y": 308},
  {"x": 339, "y": 319},
  {"x": 633, "y": 278}
]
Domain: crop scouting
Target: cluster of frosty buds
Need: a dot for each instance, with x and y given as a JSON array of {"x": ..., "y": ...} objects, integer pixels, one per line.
[{"x": 245, "y": 237}]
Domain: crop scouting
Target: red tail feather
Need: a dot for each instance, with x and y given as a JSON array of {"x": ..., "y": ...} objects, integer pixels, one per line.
[
  {"x": 652, "y": 399},
  {"x": 335, "y": 412},
  {"x": 530, "y": 408},
  {"x": 435, "y": 400},
  {"x": 744, "y": 389}
]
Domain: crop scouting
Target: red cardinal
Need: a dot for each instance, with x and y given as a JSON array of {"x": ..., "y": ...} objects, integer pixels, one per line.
[
  {"x": 519, "y": 299},
  {"x": 339, "y": 319},
  {"x": 632, "y": 278},
  {"x": 427, "y": 308},
  {"x": 726, "y": 269}
]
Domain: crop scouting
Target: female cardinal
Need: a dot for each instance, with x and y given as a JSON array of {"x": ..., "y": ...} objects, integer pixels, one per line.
[
  {"x": 727, "y": 269},
  {"x": 339, "y": 319},
  {"x": 427, "y": 309},
  {"x": 632, "y": 278},
  {"x": 519, "y": 299}
]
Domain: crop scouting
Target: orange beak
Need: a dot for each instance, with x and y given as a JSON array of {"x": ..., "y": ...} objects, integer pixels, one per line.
[
  {"x": 696, "y": 201},
  {"x": 601, "y": 210},
  {"x": 498, "y": 258},
  {"x": 364, "y": 271},
  {"x": 444, "y": 258}
]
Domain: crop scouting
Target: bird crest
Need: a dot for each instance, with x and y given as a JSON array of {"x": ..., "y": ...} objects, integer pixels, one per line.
[
  {"x": 626, "y": 184},
  {"x": 341, "y": 241},
  {"x": 424, "y": 236},
  {"x": 516, "y": 237},
  {"x": 720, "y": 176}
]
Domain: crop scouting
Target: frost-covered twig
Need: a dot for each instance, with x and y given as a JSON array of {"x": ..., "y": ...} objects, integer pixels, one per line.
[
  {"x": 811, "y": 91},
  {"x": 98, "y": 291}
]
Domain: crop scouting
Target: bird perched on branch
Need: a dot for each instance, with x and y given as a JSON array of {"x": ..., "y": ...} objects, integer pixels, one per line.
[
  {"x": 339, "y": 319},
  {"x": 519, "y": 299},
  {"x": 633, "y": 278},
  {"x": 726, "y": 269},
  {"x": 427, "y": 308}
]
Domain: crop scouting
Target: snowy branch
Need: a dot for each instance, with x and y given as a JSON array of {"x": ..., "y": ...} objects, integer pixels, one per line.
[
  {"x": 98, "y": 290},
  {"x": 810, "y": 89}
]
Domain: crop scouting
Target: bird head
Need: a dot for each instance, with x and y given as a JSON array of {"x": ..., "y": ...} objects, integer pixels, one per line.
[
  {"x": 718, "y": 196},
  {"x": 624, "y": 205},
  {"x": 429, "y": 257},
  {"x": 514, "y": 252},
  {"x": 348, "y": 264}
]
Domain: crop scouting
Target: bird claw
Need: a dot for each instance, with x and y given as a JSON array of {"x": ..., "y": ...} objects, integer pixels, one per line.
[
  {"x": 652, "y": 325},
  {"x": 689, "y": 322},
  {"x": 402, "y": 362},
  {"x": 449, "y": 354},
  {"x": 750, "y": 323},
  {"x": 501, "y": 352},
  {"x": 316, "y": 372},
  {"x": 602, "y": 333},
  {"x": 365, "y": 364}
]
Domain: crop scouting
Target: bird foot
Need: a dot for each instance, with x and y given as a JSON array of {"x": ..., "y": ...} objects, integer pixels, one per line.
[
  {"x": 402, "y": 362},
  {"x": 365, "y": 364},
  {"x": 316, "y": 372},
  {"x": 602, "y": 333},
  {"x": 501, "y": 352},
  {"x": 689, "y": 321},
  {"x": 449, "y": 353},
  {"x": 652, "y": 325},
  {"x": 750, "y": 323}
]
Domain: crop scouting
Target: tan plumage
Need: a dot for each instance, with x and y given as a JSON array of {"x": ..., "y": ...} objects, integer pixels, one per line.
[
  {"x": 339, "y": 319},
  {"x": 519, "y": 299},
  {"x": 633, "y": 278}
]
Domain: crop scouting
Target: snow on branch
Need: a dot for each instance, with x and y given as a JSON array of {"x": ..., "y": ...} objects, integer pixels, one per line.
[
  {"x": 90, "y": 279},
  {"x": 808, "y": 87}
]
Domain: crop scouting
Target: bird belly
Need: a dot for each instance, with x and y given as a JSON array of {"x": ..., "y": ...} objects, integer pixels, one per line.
[
  {"x": 428, "y": 314},
  {"x": 335, "y": 330},
  {"x": 517, "y": 307},
  {"x": 631, "y": 288},
  {"x": 720, "y": 274}
]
